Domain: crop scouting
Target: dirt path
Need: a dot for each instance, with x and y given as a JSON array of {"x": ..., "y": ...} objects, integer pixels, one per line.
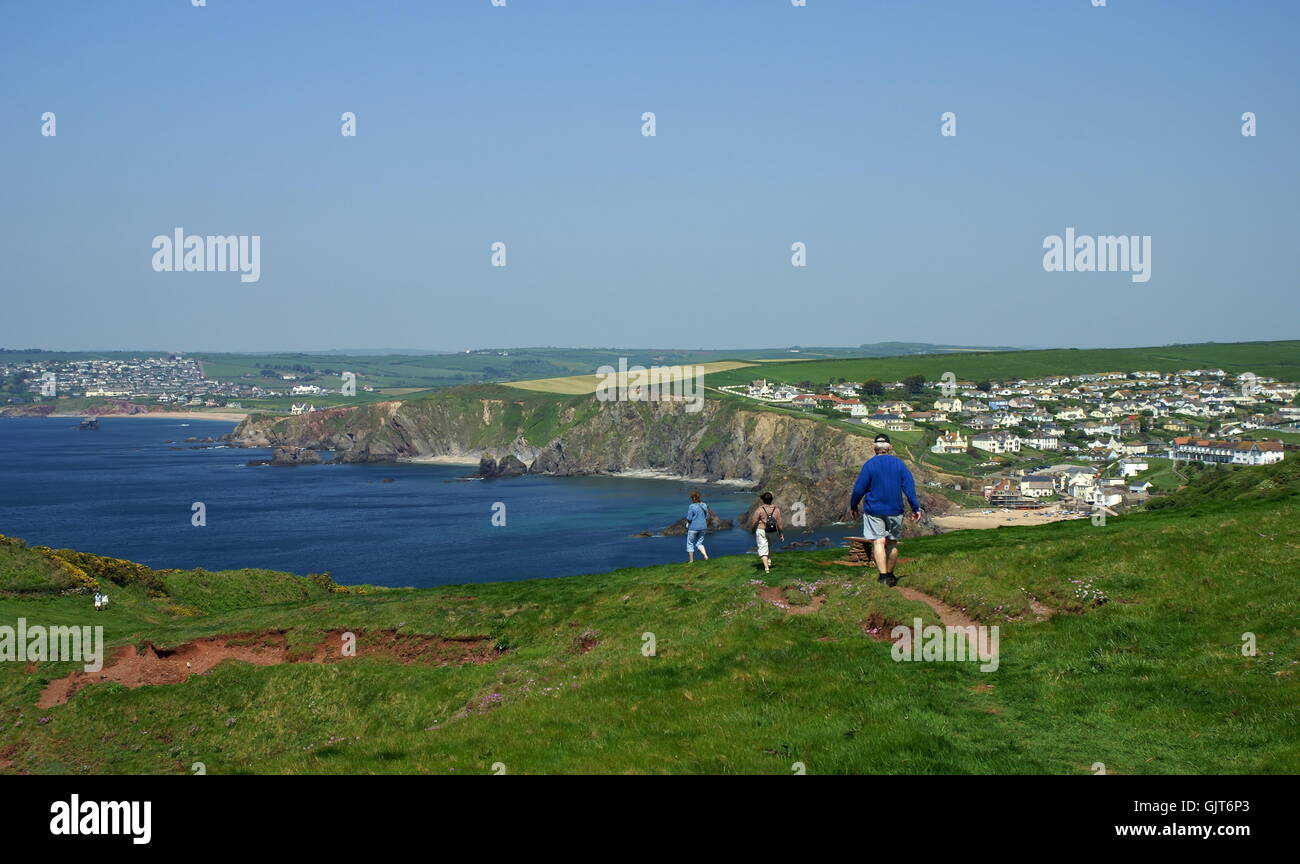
[
  {"x": 154, "y": 666},
  {"x": 949, "y": 616}
]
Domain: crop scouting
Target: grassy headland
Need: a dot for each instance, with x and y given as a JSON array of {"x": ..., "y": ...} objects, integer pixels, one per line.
[{"x": 1120, "y": 644}]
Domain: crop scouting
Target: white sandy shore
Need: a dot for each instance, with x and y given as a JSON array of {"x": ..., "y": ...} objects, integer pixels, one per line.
[
  {"x": 646, "y": 474},
  {"x": 963, "y": 519},
  {"x": 454, "y": 459}
]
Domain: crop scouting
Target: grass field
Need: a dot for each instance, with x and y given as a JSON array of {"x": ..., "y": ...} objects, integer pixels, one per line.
[
  {"x": 1275, "y": 359},
  {"x": 578, "y": 385},
  {"x": 1128, "y": 654}
]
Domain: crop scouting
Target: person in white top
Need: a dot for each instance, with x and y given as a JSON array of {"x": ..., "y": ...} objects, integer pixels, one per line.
[{"x": 767, "y": 518}]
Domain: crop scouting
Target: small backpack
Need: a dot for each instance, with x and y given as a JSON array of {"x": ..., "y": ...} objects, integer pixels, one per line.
[{"x": 770, "y": 525}]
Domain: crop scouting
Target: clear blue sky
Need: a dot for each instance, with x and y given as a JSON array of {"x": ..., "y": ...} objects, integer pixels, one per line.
[{"x": 522, "y": 124}]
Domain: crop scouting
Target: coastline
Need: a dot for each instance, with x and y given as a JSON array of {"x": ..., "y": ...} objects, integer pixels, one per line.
[
  {"x": 449, "y": 459},
  {"x": 636, "y": 474},
  {"x": 650, "y": 474},
  {"x": 224, "y": 416}
]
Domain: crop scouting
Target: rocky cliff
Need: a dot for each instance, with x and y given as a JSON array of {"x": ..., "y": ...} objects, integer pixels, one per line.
[{"x": 803, "y": 459}]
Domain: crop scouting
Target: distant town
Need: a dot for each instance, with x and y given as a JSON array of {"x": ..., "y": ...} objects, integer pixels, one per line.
[
  {"x": 172, "y": 380},
  {"x": 1108, "y": 439}
]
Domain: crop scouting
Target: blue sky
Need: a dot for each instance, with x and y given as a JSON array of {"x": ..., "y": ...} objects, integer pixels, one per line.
[{"x": 522, "y": 124}]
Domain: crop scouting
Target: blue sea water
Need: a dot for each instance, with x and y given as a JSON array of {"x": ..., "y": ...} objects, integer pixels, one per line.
[{"x": 126, "y": 492}]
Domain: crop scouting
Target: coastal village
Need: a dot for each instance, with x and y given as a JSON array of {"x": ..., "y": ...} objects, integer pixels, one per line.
[
  {"x": 172, "y": 380},
  {"x": 1070, "y": 442},
  {"x": 1106, "y": 439}
]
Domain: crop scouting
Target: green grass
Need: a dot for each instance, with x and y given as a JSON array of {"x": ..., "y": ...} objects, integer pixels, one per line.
[
  {"x": 1276, "y": 359},
  {"x": 1153, "y": 681},
  {"x": 1161, "y": 475},
  {"x": 962, "y": 498}
]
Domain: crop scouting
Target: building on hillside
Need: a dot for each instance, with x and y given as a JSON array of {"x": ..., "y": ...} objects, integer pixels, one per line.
[
  {"x": 1006, "y": 492},
  {"x": 951, "y": 441},
  {"x": 1041, "y": 440},
  {"x": 1132, "y": 465},
  {"x": 1229, "y": 452},
  {"x": 1103, "y": 496},
  {"x": 997, "y": 442},
  {"x": 890, "y": 422},
  {"x": 1037, "y": 486},
  {"x": 951, "y": 404},
  {"x": 851, "y": 406},
  {"x": 1070, "y": 476}
]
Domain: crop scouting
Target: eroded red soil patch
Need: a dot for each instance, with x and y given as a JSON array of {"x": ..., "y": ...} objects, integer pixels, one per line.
[
  {"x": 408, "y": 648},
  {"x": 153, "y": 666}
]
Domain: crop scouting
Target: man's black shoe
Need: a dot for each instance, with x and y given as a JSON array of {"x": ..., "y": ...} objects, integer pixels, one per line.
[{"x": 890, "y": 580}]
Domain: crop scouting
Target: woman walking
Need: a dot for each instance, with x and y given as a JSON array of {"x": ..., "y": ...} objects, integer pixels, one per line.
[
  {"x": 697, "y": 522},
  {"x": 767, "y": 518}
]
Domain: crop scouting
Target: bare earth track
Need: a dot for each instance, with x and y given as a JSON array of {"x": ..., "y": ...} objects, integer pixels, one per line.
[{"x": 154, "y": 666}]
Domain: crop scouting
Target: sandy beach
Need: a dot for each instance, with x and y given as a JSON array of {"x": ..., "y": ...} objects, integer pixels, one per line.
[
  {"x": 455, "y": 459},
  {"x": 970, "y": 518},
  {"x": 664, "y": 475}
]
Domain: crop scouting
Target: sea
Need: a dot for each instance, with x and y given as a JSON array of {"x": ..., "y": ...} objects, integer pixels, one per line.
[{"x": 129, "y": 491}]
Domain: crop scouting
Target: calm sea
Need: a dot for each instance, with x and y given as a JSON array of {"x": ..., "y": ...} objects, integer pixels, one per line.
[{"x": 125, "y": 491}]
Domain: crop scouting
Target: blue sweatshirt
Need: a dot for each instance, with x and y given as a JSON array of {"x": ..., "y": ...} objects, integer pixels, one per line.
[
  {"x": 697, "y": 517},
  {"x": 884, "y": 480}
]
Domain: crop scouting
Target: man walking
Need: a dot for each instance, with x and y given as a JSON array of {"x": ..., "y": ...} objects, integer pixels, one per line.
[{"x": 883, "y": 481}]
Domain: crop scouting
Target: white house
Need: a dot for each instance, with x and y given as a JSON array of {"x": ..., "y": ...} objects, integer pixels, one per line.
[
  {"x": 997, "y": 442},
  {"x": 951, "y": 441},
  {"x": 1040, "y": 440},
  {"x": 1037, "y": 486},
  {"x": 1234, "y": 452},
  {"x": 1132, "y": 466}
]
